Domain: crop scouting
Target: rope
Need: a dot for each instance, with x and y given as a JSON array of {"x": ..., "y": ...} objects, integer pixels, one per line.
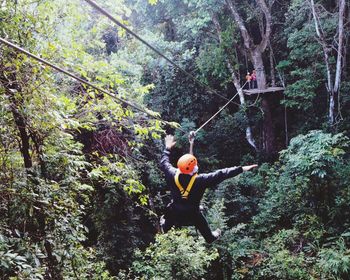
[
  {"x": 117, "y": 22},
  {"x": 59, "y": 69},
  {"x": 113, "y": 19},
  {"x": 218, "y": 112}
]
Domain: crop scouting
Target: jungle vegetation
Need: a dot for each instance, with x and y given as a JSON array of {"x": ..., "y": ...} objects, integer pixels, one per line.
[{"x": 81, "y": 192}]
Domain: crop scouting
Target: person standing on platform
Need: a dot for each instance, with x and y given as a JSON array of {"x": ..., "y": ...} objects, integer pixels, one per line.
[
  {"x": 254, "y": 82},
  {"x": 248, "y": 78}
]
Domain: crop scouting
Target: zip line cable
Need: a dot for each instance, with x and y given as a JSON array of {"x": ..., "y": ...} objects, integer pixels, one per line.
[
  {"x": 218, "y": 112},
  {"x": 213, "y": 116},
  {"x": 117, "y": 22},
  {"x": 70, "y": 74},
  {"x": 59, "y": 69},
  {"x": 82, "y": 81}
]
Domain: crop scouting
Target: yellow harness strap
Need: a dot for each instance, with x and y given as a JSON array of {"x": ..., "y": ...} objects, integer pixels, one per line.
[{"x": 184, "y": 193}]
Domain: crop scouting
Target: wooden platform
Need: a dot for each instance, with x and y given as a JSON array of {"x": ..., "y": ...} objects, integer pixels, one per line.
[{"x": 262, "y": 91}]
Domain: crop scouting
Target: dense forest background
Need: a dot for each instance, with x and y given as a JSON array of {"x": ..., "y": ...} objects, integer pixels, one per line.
[{"x": 81, "y": 192}]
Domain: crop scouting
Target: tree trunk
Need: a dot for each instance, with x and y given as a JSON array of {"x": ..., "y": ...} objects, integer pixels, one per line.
[
  {"x": 12, "y": 87},
  {"x": 272, "y": 68},
  {"x": 248, "y": 131},
  {"x": 340, "y": 56},
  {"x": 268, "y": 138},
  {"x": 338, "y": 70},
  {"x": 258, "y": 64},
  {"x": 332, "y": 89},
  {"x": 21, "y": 126},
  {"x": 235, "y": 79},
  {"x": 331, "y": 109},
  {"x": 255, "y": 51},
  {"x": 256, "y": 57}
]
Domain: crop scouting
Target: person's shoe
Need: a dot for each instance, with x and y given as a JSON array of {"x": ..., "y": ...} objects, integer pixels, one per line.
[{"x": 216, "y": 233}]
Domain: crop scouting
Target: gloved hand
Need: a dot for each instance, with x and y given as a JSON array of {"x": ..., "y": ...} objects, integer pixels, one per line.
[
  {"x": 191, "y": 137},
  {"x": 249, "y": 167},
  {"x": 169, "y": 142}
]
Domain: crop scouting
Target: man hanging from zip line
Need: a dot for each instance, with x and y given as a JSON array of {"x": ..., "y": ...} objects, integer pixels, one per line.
[{"x": 187, "y": 188}]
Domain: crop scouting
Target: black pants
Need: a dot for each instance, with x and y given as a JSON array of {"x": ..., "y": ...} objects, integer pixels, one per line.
[{"x": 179, "y": 215}]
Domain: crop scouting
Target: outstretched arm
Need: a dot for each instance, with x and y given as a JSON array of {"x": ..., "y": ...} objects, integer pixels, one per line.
[
  {"x": 216, "y": 177},
  {"x": 249, "y": 167},
  {"x": 191, "y": 140},
  {"x": 169, "y": 142},
  {"x": 165, "y": 164}
]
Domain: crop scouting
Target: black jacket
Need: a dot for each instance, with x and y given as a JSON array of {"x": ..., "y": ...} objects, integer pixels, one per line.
[{"x": 202, "y": 181}]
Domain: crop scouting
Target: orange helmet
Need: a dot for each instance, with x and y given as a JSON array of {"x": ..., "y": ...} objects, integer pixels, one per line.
[{"x": 187, "y": 163}]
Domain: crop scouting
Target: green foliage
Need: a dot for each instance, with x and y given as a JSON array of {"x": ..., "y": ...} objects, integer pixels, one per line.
[
  {"x": 216, "y": 216},
  {"x": 284, "y": 261},
  {"x": 334, "y": 262},
  {"x": 302, "y": 93},
  {"x": 213, "y": 66},
  {"x": 79, "y": 177},
  {"x": 241, "y": 197},
  {"x": 305, "y": 181},
  {"x": 314, "y": 154},
  {"x": 284, "y": 265},
  {"x": 153, "y": 2},
  {"x": 174, "y": 255},
  {"x": 287, "y": 222},
  {"x": 239, "y": 248},
  {"x": 63, "y": 133}
]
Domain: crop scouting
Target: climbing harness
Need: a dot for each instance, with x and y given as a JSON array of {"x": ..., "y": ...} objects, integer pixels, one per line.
[{"x": 184, "y": 192}]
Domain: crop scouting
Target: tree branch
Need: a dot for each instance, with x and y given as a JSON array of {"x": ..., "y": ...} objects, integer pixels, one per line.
[
  {"x": 340, "y": 45},
  {"x": 266, "y": 35},
  {"x": 248, "y": 42},
  {"x": 236, "y": 82}
]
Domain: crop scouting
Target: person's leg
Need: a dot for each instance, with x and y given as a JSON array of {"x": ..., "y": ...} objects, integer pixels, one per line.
[
  {"x": 168, "y": 219},
  {"x": 167, "y": 225},
  {"x": 202, "y": 225}
]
